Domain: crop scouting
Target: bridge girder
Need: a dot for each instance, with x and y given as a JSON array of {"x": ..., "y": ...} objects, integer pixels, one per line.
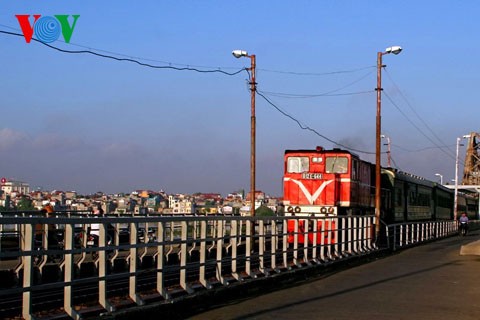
[{"x": 471, "y": 171}]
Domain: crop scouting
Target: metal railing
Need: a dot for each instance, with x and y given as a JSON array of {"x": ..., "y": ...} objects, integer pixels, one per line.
[
  {"x": 401, "y": 235},
  {"x": 82, "y": 260}
]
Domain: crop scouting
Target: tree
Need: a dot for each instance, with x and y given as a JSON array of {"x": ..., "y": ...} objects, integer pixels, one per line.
[
  {"x": 25, "y": 204},
  {"x": 264, "y": 211}
]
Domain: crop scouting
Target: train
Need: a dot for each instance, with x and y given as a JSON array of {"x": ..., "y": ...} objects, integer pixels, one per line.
[{"x": 336, "y": 182}]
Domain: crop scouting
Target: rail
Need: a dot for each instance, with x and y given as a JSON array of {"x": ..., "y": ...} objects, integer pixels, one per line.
[{"x": 85, "y": 261}]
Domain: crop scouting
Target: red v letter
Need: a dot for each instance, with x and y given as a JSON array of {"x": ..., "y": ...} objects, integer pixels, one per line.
[{"x": 27, "y": 29}]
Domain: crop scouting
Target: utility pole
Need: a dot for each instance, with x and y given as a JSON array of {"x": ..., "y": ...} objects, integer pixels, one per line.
[
  {"x": 378, "y": 159},
  {"x": 253, "y": 89}
]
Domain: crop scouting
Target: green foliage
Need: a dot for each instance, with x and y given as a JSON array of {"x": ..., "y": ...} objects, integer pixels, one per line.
[
  {"x": 264, "y": 211},
  {"x": 25, "y": 204}
]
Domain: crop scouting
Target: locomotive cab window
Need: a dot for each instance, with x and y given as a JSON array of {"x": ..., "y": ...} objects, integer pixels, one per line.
[
  {"x": 298, "y": 164},
  {"x": 336, "y": 165}
]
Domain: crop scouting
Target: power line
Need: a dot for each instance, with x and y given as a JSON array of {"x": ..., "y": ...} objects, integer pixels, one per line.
[
  {"x": 416, "y": 127},
  {"x": 128, "y": 59},
  {"x": 305, "y": 127},
  {"x": 128, "y": 56},
  {"x": 325, "y": 94},
  {"x": 413, "y": 109},
  {"x": 395, "y": 163},
  {"x": 300, "y": 96},
  {"x": 315, "y": 73},
  {"x": 421, "y": 149},
  {"x": 190, "y": 66}
]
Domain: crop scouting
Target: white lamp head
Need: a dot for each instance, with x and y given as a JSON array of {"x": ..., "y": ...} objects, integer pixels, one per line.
[
  {"x": 239, "y": 53},
  {"x": 394, "y": 50}
]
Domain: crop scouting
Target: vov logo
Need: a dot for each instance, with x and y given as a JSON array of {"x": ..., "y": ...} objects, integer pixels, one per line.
[{"x": 47, "y": 28}]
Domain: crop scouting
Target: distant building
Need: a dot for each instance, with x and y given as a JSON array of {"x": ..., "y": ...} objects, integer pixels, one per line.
[
  {"x": 12, "y": 187},
  {"x": 259, "y": 196},
  {"x": 180, "y": 205}
]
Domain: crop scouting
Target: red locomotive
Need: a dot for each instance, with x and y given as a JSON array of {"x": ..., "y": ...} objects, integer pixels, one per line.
[{"x": 326, "y": 183}]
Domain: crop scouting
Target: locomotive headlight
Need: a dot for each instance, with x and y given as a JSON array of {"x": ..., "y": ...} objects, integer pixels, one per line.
[
  {"x": 290, "y": 209},
  {"x": 317, "y": 159}
]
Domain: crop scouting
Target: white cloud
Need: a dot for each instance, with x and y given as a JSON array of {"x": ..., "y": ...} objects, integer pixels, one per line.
[{"x": 10, "y": 138}]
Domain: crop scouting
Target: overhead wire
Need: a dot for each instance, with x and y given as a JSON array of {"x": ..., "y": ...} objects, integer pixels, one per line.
[
  {"x": 324, "y": 94},
  {"x": 305, "y": 127},
  {"x": 127, "y": 55},
  {"x": 316, "y": 73},
  {"x": 89, "y": 48},
  {"x": 128, "y": 59},
  {"x": 294, "y": 96},
  {"x": 417, "y": 150},
  {"x": 417, "y": 127},
  {"x": 414, "y": 111}
]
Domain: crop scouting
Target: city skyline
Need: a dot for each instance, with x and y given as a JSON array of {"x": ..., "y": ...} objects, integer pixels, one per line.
[{"x": 89, "y": 123}]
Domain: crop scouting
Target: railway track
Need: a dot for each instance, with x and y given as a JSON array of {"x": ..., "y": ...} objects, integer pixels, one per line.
[{"x": 48, "y": 302}]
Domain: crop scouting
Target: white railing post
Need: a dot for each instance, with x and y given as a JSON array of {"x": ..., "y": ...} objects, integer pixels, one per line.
[
  {"x": 27, "y": 246},
  {"x": 132, "y": 288},
  {"x": 220, "y": 235},
  {"x": 261, "y": 246},
  {"x": 102, "y": 269},
  {"x": 68, "y": 269},
  {"x": 315, "y": 240},
  {"x": 285, "y": 244},
  {"x": 161, "y": 260}
]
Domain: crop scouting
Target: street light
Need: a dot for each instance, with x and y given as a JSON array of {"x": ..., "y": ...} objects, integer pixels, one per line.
[
  {"x": 253, "y": 88},
  {"x": 455, "y": 200},
  {"x": 441, "y": 177},
  {"x": 394, "y": 50},
  {"x": 389, "y": 152}
]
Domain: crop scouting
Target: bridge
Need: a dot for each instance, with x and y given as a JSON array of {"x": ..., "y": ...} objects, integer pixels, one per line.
[
  {"x": 77, "y": 266},
  {"x": 438, "y": 280}
]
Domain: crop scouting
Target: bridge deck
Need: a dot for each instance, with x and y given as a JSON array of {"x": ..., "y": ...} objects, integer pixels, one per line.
[{"x": 432, "y": 281}]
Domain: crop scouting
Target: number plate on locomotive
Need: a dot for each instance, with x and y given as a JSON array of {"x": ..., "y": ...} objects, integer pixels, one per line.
[{"x": 312, "y": 176}]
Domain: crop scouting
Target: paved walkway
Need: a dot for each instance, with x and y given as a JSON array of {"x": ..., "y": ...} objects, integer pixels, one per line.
[{"x": 432, "y": 281}]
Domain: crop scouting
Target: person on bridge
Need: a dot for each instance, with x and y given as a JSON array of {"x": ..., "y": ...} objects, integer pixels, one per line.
[
  {"x": 48, "y": 209},
  {"x": 51, "y": 231},
  {"x": 463, "y": 223},
  {"x": 98, "y": 210}
]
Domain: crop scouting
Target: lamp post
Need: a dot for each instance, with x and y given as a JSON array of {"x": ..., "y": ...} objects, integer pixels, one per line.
[
  {"x": 253, "y": 88},
  {"x": 389, "y": 152},
  {"x": 394, "y": 50},
  {"x": 441, "y": 177},
  {"x": 455, "y": 199}
]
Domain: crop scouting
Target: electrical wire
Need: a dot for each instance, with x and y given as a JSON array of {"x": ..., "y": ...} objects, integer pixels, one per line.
[
  {"x": 315, "y": 73},
  {"x": 303, "y": 96},
  {"x": 395, "y": 163},
  {"x": 413, "y": 109},
  {"x": 305, "y": 127},
  {"x": 325, "y": 94},
  {"x": 416, "y": 127},
  {"x": 129, "y": 56},
  {"x": 189, "y": 66},
  {"x": 128, "y": 59},
  {"x": 419, "y": 150}
]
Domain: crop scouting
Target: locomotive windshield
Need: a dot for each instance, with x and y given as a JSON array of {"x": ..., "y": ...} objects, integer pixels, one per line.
[
  {"x": 336, "y": 165},
  {"x": 298, "y": 164}
]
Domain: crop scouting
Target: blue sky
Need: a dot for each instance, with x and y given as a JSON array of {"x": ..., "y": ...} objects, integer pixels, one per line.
[{"x": 85, "y": 123}]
